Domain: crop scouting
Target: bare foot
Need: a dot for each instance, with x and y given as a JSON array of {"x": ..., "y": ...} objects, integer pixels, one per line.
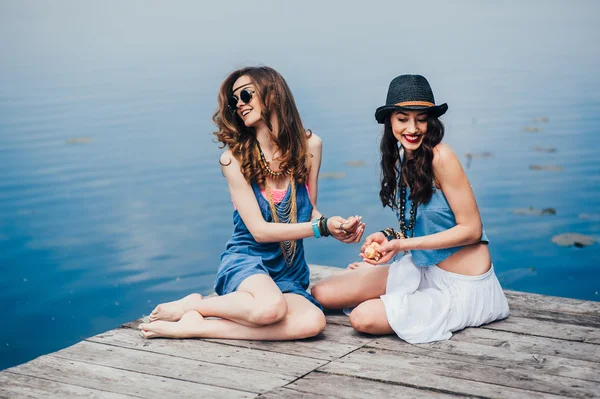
[
  {"x": 173, "y": 311},
  {"x": 358, "y": 265},
  {"x": 189, "y": 326}
]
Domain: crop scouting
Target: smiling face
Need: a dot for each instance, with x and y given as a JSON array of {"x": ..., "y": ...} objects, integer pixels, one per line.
[
  {"x": 409, "y": 128},
  {"x": 249, "y": 112}
]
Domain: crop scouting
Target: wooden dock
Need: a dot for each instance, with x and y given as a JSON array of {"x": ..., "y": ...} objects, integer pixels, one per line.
[{"x": 549, "y": 347}]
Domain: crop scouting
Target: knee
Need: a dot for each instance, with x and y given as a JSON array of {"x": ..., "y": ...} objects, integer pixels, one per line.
[
  {"x": 362, "y": 321},
  {"x": 269, "y": 312},
  {"x": 310, "y": 324},
  {"x": 323, "y": 293}
]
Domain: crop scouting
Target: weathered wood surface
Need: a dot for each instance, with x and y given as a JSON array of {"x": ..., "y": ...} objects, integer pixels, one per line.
[{"x": 549, "y": 347}]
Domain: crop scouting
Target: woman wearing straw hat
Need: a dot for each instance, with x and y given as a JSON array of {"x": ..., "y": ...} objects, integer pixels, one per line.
[
  {"x": 441, "y": 278},
  {"x": 271, "y": 164}
]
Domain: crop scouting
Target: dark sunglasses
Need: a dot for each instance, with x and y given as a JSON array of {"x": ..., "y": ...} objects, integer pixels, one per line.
[{"x": 245, "y": 96}]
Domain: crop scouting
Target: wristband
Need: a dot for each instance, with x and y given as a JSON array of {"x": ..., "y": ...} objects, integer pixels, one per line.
[
  {"x": 315, "y": 227},
  {"x": 326, "y": 232}
]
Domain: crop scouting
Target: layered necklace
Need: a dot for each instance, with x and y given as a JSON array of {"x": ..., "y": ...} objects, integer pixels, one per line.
[
  {"x": 404, "y": 229},
  {"x": 285, "y": 211},
  {"x": 413, "y": 212}
]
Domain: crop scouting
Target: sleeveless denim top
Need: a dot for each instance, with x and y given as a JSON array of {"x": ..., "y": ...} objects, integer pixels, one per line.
[
  {"x": 242, "y": 250},
  {"x": 433, "y": 217}
]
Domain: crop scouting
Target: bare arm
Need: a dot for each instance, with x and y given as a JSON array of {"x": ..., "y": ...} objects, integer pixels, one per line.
[{"x": 315, "y": 149}]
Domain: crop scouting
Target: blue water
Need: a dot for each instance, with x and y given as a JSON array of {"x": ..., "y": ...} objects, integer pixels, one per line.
[{"x": 111, "y": 195}]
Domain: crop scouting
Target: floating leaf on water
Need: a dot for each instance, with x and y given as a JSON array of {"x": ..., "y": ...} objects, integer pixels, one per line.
[
  {"x": 531, "y": 211},
  {"x": 332, "y": 175},
  {"x": 552, "y": 168},
  {"x": 356, "y": 163},
  {"x": 589, "y": 216},
  {"x": 572, "y": 239},
  {"x": 485, "y": 154},
  {"x": 544, "y": 149},
  {"x": 531, "y": 129},
  {"x": 511, "y": 276},
  {"x": 79, "y": 140},
  {"x": 539, "y": 119}
]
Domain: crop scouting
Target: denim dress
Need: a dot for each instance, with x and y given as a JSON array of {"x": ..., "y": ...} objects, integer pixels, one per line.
[{"x": 244, "y": 257}]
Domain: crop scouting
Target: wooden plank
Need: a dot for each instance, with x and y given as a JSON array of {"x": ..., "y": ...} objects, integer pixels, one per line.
[
  {"x": 548, "y": 329},
  {"x": 120, "y": 381},
  {"x": 174, "y": 367},
  {"x": 449, "y": 376},
  {"x": 503, "y": 358},
  {"x": 16, "y": 386},
  {"x": 582, "y": 320},
  {"x": 538, "y": 302},
  {"x": 334, "y": 342},
  {"x": 285, "y": 393},
  {"x": 339, "y": 318},
  {"x": 540, "y": 346},
  {"x": 332, "y": 385},
  {"x": 197, "y": 349}
]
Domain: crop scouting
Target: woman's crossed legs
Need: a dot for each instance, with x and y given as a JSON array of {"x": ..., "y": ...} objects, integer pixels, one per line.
[{"x": 256, "y": 311}]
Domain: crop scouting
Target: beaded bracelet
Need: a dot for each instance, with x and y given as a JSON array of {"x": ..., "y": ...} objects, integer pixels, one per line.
[{"x": 391, "y": 234}]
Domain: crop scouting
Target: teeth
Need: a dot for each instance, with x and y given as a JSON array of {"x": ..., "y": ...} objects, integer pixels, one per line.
[{"x": 245, "y": 112}]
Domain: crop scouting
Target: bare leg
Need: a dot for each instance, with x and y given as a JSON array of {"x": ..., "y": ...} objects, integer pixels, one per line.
[
  {"x": 370, "y": 317},
  {"x": 302, "y": 320},
  {"x": 358, "y": 265},
  {"x": 257, "y": 302},
  {"x": 351, "y": 287},
  {"x": 173, "y": 311}
]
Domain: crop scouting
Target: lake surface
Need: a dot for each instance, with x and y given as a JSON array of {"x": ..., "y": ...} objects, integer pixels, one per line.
[{"x": 111, "y": 195}]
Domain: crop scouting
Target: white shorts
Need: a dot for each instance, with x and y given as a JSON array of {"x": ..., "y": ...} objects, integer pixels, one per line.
[{"x": 426, "y": 304}]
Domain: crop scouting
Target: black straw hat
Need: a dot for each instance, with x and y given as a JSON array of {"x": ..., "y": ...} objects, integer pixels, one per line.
[{"x": 410, "y": 93}]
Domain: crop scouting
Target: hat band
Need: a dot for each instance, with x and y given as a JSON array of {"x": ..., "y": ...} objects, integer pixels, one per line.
[{"x": 413, "y": 103}]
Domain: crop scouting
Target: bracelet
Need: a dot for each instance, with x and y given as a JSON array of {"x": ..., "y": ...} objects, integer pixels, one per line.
[
  {"x": 390, "y": 233},
  {"x": 315, "y": 227},
  {"x": 323, "y": 227}
]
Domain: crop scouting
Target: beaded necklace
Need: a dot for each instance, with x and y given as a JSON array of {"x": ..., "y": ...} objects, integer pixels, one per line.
[
  {"x": 284, "y": 212},
  {"x": 402, "y": 202},
  {"x": 266, "y": 168},
  {"x": 413, "y": 212}
]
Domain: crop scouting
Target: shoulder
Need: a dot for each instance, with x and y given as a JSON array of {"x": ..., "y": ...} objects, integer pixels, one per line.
[
  {"x": 443, "y": 155},
  {"x": 227, "y": 158},
  {"x": 229, "y": 163},
  {"x": 446, "y": 163},
  {"x": 314, "y": 142}
]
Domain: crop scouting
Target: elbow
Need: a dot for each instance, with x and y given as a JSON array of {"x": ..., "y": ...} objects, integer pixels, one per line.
[
  {"x": 260, "y": 234},
  {"x": 475, "y": 234}
]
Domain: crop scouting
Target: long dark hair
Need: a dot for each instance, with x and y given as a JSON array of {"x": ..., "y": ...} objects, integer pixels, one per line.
[
  {"x": 417, "y": 168},
  {"x": 275, "y": 96}
]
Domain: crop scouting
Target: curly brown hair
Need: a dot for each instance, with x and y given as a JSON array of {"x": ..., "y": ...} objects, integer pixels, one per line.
[
  {"x": 417, "y": 168},
  {"x": 274, "y": 96}
]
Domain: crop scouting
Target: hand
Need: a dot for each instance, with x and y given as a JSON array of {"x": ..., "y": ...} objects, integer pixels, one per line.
[
  {"x": 387, "y": 249},
  {"x": 346, "y": 230}
]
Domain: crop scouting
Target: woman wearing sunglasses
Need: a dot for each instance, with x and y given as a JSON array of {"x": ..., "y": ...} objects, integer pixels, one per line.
[
  {"x": 271, "y": 164},
  {"x": 447, "y": 282}
]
